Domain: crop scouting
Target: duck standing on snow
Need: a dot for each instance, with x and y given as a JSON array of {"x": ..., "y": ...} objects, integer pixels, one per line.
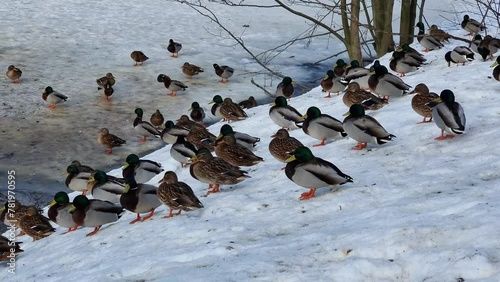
[
  {"x": 339, "y": 68},
  {"x": 471, "y": 25},
  {"x": 475, "y": 43},
  {"x": 322, "y": 126},
  {"x": 109, "y": 141},
  {"x": 234, "y": 153},
  {"x": 332, "y": 83},
  {"x": 496, "y": 70},
  {"x": 248, "y": 103},
  {"x": 355, "y": 95},
  {"x": 421, "y": 99},
  {"x": 172, "y": 85},
  {"x": 232, "y": 111},
  {"x": 144, "y": 128},
  {"x": 459, "y": 55},
  {"x": 138, "y": 57},
  {"x": 141, "y": 170},
  {"x": 364, "y": 129},
  {"x": 217, "y": 102},
  {"x": 244, "y": 139},
  {"x": 35, "y": 225},
  {"x": 190, "y": 70},
  {"x": 403, "y": 64},
  {"x": 94, "y": 213},
  {"x": 185, "y": 122},
  {"x": 171, "y": 132},
  {"x": 197, "y": 113},
  {"x": 410, "y": 52},
  {"x": 201, "y": 138},
  {"x": 283, "y": 145},
  {"x": 174, "y": 48},
  {"x": 386, "y": 84},
  {"x": 59, "y": 212},
  {"x": 53, "y": 97},
  {"x": 157, "y": 119},
  {"x": 440, "y": 34},
  {"x": 488, "y": 47},
  {"x": 224, "y": 72},
  {"x": 76, "y": 179},
  {"x": 308, "y": 171},
  {"x": 358, "y": 74},
  {"x": 284, "y": 115},
  {"x": 182, "y": 151},
  {"x": 14, "y": 74},
  {"x": 139, "y": 198},
  {"x": 177, "y": 195},
  {"x": 285, "y": 88},
  {"x": 448, "y": 115},
  {"x": 105, "y": 187},
  {"x": 427, "y": 41}
]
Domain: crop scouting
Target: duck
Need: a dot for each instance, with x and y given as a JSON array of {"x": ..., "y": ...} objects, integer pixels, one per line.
[
  {"x": 322, "y": 126},
  {"x": 172, "y": 85},
  {"x": 448, "y": 115},
  {"x": 496, "y": 70},
  {"x": 402, "y": 64},
  {"x": 144, "y": 128},
  {"x": 475, "y": 43},
  {"x": 438, "y": 33},
  {"x": 107, "y": 91},
  {"x": 139, "y": 198},
  {"x": 185, "y": 122},
  {"x": 214, "y": 171},
  {"x": 410, "y": 52},
  {"x": 459, "y": 55},
  {"x": 224, "y": 72},
  {"x": 182, "y": 151},
  {"x": 177, "y": 195},
  {"x": 356, "y": 73},
  {"x": 53, "y": 97},
  {"x": 197, "y": 113},
  {"x": 427, "y": 41},
  {"x": 94, "y": 213},
  {"x": 109, "y": 141},
  {"x": 217, "y": 102},
  {"x": 174, "y": 48},
  {"x": 191, "y": 70},
  {"x": 385, "y": 84},
  {"x": 9, "y": 248},
  {"x": 35, "y": 225},
  {"x": 243, "y": 139},
  {"x": 138, "y": 57},
  {"x": 339, "y": 68},
  {"x": 59, "y": 212},
  {"x": 234, "y": 153},
  {"x": 76, "y": 179},
  {"x": 157, "y": 119},
  {"x": 355, "y": 95},
  {"x": 108, "y": 79},
  {"x": 231, "y": 111},
  {"x": 332, "y": 83},
  {"x": 285, "y": 115},
  {"x": 171, "y": 131},
  {"x": 142, "y": 170},
  {"x": 14, "y": 74},
  {"x": 285, "y": 88},
  {"x": 488, "y": 47},
  {"x": 283, "y": 145},
  {"x": 201, "y": 138},
  {"x": 309, "y": 171},
  {"x": 419, "y": 102},
  {"x": 81, "y": 167},
  {"x": 365, "y": 129},
  {"x": 105, "y": 187},
  {"x": 248, "y": 103},
  {"x": 471, "y": 25}
]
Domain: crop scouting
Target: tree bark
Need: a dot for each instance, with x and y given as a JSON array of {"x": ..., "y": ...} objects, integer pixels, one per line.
[
  {"x": 382, "y": 22},
  {"x": 354, "y": 43},
  {"x": 407, "y": 23}
]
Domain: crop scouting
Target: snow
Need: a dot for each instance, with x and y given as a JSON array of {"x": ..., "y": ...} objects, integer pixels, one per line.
[{"x": 418, "y": 209}]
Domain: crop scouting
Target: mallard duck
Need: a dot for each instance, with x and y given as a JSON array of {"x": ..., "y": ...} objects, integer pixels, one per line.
[
  {"x": 385, "y": 84},
  {"x": 244, "y": 139},
  {"x": 471, "y": 25},
  {"x": 322, "y": 126},
  {"x": 14, "y": 74},
  {"x": 76, "y": 179},
  {"x": 108, "y": 79},
  {"x": 157, "y": 119},
  {"x": 285, "y": 88},
  {"x": 142, "y": 170},
  {"x": 174, "y": 48},
  {"x": 82, "y": 168},
  {"x": 410, "y": 52},
  {"x": 421, "y": 99},
  {"x": 9, "y": 249},
  {"x": 172, "y": 85},
  {"x": 488, "y": 47},
  {"x": 459, "y": 55},
  {"x": 109, "y": 141},
  {"x": 224, "y": 72},
  {"x": 139, "y": 198},
  {"x": 234, "y": 153},
  {"x": 144, "y": 128},
  {"x": 475, "y": 43},
  {"x": 331, "y": 83},
  {"x": 283, "y": 145},
  {"x": 355, "y": 73},
  {"x": 105, "y": 187},
  {"x": 355, "y": 95},
  {"x": 284, "y": 115},
  {"x": 231, "y": 111},
  {"x": 201, "y": 138},
  {"x": 182, "y": 151},
  {"x": 440, "y": 34},
  {"x": 190, "y": 69},
  {"x": 197, "y": 113},
  {"x": 402, "y": 64},
  {"x": 217, "y": 102},
  {"x": 427, "y": 41},
  {"x": 339, "y": 68},
  {"x": 185, "y": 122},
  {"x": 59, "y": 212},
  {"x": 448, "y": 115},
  {"x": 172, "y": 131},
  {"x": 53, "y": 97},
  {"x": 138, "y": 57},
  {"x": 177, "y": 195},
  {"x": 35, "y": 225},
  {"x": 214, "y": 171},
  {"x": 308, "y": 171},
  {"x": 496, "y": 70},
  {"x": 364, "y": 129},
  {"x": 94, "y": 213},
  {"x": 107, "y": 91},
  {"x": 248, "y": 103}
]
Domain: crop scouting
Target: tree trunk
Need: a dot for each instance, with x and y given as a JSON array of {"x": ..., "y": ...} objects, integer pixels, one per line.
[
  {"x": 354, "y": 48},
  {"x": 407, "y": 24},
  {"x": 382, "y": 22}
]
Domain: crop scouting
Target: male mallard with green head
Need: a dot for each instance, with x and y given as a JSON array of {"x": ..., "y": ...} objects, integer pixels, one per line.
[
  {"x": 332, "y": 83},
  {"x": 144, "y": 128},
  {"x": 322, "y": 126},
  {"x": 182, "y": 151},
  {"x": 172, "y": 85},
  {"x": 285, "y": 115},
  {"x": 217, "y": 102},
  {"x": 142, "y": 170},
  {"x": 285, "y": 88},
  {"x": 53, "y": 97},
  {"x": 139, "y": 198},
  {"x": 448, "y": 115},
  {"x": 224, "y": 72},
  {"x": 459, "y": 55},
  {"x": 94, "y": 213},
  {"x": 76, "y": 179},
  {"x": 197, "y": 113},
  {"x": 471, "y": 25},
  {"x": 59, "y": 212},
  {"x": 174, "y": 48},
  {"x": 105, "y": 187},
  {"x": 427, "y": 41},
  {"x": 171, "y": 132}
]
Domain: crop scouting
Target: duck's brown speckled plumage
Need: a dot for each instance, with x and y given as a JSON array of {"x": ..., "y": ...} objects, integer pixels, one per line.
[
  {"x": 35, "y": 225},
  {"x": 234, "y": 153},
  {"x": 177, "y": 195},
  {"x": 283, "y": 145}
]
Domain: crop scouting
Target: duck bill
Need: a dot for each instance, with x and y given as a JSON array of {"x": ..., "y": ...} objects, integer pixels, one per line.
[
  {"x": 127, "y": 188},
  {"x": 294, "y": 82},
  {"x": 125, "y": 166},
  {"x": 494, "y": 64},
  {"x": 190, "y": 109},
  {"x": 211, "y": 102},
  {"x": 64, "y": 173},
  {"x": 304, "y": 116},
  {"x": 72, "y": 208},
  {"x": 290, "y": 159},
  {"x": 437, "y": 100},
  {"x": 272, "y": 104},
  {"x": 193, "y": 159},
  {"x": 52, "y": 203},
  {"x": 346, "y": 113},
  {"x": 325, "y": 78}
]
